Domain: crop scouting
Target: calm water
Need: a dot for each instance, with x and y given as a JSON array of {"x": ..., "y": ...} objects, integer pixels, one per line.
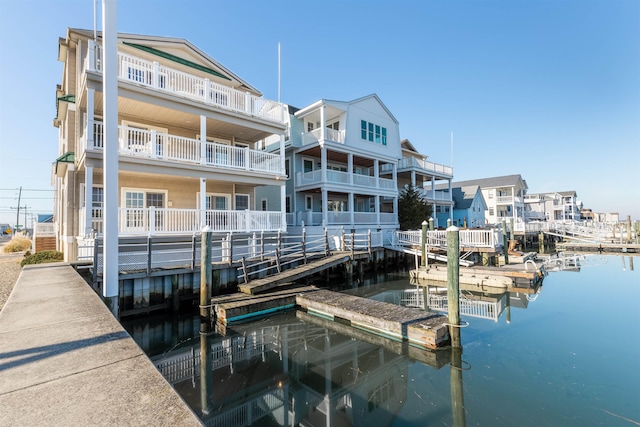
[{"x": 570, "y": 356}]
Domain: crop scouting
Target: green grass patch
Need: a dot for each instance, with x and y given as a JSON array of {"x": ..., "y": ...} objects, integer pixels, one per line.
[{"x": 42, "y": 257}]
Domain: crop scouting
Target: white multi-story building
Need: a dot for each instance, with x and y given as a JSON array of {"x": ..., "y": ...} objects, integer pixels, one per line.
[
  {"x": 554, "y": 206},
  {"x": 189, "y": 143}
]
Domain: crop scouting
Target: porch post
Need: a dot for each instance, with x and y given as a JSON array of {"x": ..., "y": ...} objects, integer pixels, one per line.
[
  {"x": 323, "y": 163},
  {"x": 413, "y": 178},
  {"x": 433, "y": 187},
  {"x": 203, "y": 140},
  {"x": 92, "y": 55},
  {"x": 90, "y": 136},
  {"x": 395, "y": 207},
  {"x": 325, "y": 203},
  {"x": 350, "y": 167},
  {"x": 283, "y": 207},
  {"x": 323, "y": 123},
  {"x": 110, "y": 287},
  {"x": 352, "y": 209},
  {"x": 203, "y": 203},
  {"x": 376, "y": 174},
  {"x": 88, "y": 199},
  {"x": 377, "y": 203}
]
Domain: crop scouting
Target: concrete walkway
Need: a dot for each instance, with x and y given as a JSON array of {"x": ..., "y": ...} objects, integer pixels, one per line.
[{"x": 65, "y": 360}]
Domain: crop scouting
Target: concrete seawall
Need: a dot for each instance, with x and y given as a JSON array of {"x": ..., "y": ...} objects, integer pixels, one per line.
[{"x": 65, "y": 360}]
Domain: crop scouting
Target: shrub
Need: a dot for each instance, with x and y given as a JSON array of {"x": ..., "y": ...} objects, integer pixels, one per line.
[
  {"x": 42, "y": 258},
  {"x": 17, "y": 244}
]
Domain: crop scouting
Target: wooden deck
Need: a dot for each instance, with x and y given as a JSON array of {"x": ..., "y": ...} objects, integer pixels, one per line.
[
  {"x": 260, "y": 285},
  {"x": 418, "y": 327}
]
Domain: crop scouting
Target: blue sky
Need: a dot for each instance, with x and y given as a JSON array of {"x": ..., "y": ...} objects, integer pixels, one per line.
[{"x": 546, "y": 89}]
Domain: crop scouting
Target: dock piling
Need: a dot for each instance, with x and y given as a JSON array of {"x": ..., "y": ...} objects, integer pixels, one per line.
[
  {"x": 453, "y": 284},
  {"x": 205, "y": 272},
  {"x": 423, "y": 261}
]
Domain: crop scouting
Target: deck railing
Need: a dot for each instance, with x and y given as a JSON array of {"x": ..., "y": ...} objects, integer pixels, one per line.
[
  {"x": 134, "y": 142},
  {"x": 316, "y": 135},
  {"x": 152, "y": 221},
  {"x": 160, "y": 77},
  {"x": 468, "y": 238},
  {"x": 339, "y": 177},
  {"x": 409, "y": 162}
]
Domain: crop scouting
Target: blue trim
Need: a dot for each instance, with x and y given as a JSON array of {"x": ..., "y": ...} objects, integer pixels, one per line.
[{"x": 260, "y": 313}]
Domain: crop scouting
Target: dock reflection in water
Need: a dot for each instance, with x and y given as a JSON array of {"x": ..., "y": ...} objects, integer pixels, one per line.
[{"x": 297, "y": 369}]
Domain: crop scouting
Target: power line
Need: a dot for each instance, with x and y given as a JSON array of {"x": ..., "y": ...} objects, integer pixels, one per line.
[{"x": 24, "y": 189}]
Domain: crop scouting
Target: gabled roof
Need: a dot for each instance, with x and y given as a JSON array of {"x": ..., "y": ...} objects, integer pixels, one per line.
[
  {"x": 343, "y": 105},
  {"x": 463, "y": 196},
  {"x": 498, "y": 181},
  {"x": 568, "y": 193},
  {"x": 407, "y": 145},
  {"x": 154, "y": 45}
]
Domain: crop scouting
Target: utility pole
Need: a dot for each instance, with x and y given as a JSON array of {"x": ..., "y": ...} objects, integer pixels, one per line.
[{"x": 18, "y": 213}]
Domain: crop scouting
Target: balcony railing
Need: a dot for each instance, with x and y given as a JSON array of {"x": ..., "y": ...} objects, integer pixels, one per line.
[
  {"x": 151, "y": 221},
  {"x": 133, "y": 142},
  {"x": 316, "y": 135},
  {"x": 338, "y": 177},
  {"x": 411, "y": 162},
  {"x": 160, "y": 77},
  {"x": 443, "y": 196},
  {"x": 310, "y": 218}
]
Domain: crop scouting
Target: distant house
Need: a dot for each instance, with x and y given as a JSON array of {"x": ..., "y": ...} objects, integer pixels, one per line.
[
  {"x": 469, "y": 206},
  {"x": 504, "y": 197},
  {"x": 554, "y": 206}
]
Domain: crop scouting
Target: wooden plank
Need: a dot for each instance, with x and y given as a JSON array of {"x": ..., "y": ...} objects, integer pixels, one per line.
[
  {"x": 261, "y": 285},
  {"x": 418, "y": 327}
]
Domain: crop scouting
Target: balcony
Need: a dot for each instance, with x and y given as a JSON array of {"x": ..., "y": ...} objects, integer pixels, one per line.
[
  {"x": 346, "y": 178},
  {"x": 438, "y": 196},
  {"x": 508, "y": 200},
  {"x": 134, "y": 142},
  {"x": 152, "y": 221},
  {"x": 310, "y": 218},
  {"x": 316, "y": 136},
  {"x": 154, "y": 75},
  {"x": 411, "y": 163}
]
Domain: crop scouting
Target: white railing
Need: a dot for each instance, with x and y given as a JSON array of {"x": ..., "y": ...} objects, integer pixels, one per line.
[
  {"x": 339, "y": 177},
  {"x": 437, "y": 195},
  {"x": 316, "y": 135},
  {"x": 504, "y": 200},
  {"x": 160, "y": 77},
  {"x": 468, "y": 238},
  {"x": 134, "y": 142},
  {"x": 152, "y": 221},
  {"x": 408, "y": 162}
]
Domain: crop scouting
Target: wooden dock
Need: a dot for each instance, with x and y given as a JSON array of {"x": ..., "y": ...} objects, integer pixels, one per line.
[
  {"x": 514, "y": 272},
  {"x": 609, "y": 248},
  {"x": 417, "y": 327},
  {"x": 260, "y": 285},
  {"x": 240, "y": 306}
]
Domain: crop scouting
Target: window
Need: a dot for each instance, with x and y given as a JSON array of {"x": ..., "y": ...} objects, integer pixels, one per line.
[
  {"x": 263, "y": 205},
  {"x": 373, "y": 133},
  {"x": 307, "y": 165},
  {"x": 287, "y": 170},
  {"x": 490, "y": 211},
  {"x": 242, "y": 202},
  {"x": 308, "y": 202},
  {"x": 97, "y": 197},
  {"x": 309, "y": 126},
  {"x": 136, "y": 200},
  {"x": 288, "y": 204}
]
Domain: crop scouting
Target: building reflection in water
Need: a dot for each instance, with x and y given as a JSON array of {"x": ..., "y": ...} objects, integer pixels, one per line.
[{"x": 298, "y": 370}]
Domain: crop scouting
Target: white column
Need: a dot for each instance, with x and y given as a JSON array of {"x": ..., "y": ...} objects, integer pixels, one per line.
[
  {"x": 350, "y": 167},
  {"x": 325, "y": 203},
  {"x": 395, "y": 206},
  {"x": 413, "y": 178},
  {"x": 394, "y": 174},
  {"x": 282, "y": 154},
  {"x": 110, "y": 286},
  {"x": 376, "y": 172},
  {"x": 323, "y": 163},
  {"x": 90, "y": 136},
  {"x": 203, "y": 140},
  {"x": 283, "y": 205},
  {"x": 433, "y": 187},
  {"x": 352, "y": 209},
  {"x": 88, "y": 199},
  {"x": 92, "y": 55},
  {"x": 323, "y": 123},
  {"x": 377, "y": 203},
  {"x": 203, "y": 203}
]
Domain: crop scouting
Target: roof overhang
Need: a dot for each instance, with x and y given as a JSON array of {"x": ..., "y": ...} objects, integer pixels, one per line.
[{"x": 63, "y": 162}]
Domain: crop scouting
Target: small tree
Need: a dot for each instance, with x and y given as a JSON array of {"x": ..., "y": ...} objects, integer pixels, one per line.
[{"x": 412, "y": 208}]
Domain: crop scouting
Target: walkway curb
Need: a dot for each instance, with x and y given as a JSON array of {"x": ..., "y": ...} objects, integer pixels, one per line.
[{"x": 65, "y": 360}]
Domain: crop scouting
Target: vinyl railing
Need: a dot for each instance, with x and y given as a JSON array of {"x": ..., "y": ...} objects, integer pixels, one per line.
[
  {"x": 316, "y": 135},
  {"x": 134, "y": 142},
  {"x": 468, "y": 238},
  {"x": 408, "y": 162},
  {"x": 339, "y": 177},
  {"x": 160, "y": 77}
]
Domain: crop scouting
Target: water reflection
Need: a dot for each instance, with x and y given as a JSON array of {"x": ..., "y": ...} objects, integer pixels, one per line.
[{"x": 298, "y": 369}]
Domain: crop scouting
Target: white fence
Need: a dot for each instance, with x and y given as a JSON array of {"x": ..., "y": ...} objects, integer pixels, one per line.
[{"x": 438, "y": 238}]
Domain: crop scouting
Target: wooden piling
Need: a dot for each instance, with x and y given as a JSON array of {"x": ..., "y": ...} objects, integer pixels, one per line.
[
  {"x": 453, "y": 284},
  {"x": 205, "y": 272}
]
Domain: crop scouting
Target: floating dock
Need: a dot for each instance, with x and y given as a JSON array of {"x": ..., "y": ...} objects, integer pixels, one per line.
[
  {"x": 417, "y": 327},
  {"x": 609, "y": 248}
]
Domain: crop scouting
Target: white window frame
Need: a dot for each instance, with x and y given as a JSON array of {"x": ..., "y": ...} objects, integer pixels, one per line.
[
  {"x": 308, "y": 202},
  {"x": 235, "y": 201}
]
